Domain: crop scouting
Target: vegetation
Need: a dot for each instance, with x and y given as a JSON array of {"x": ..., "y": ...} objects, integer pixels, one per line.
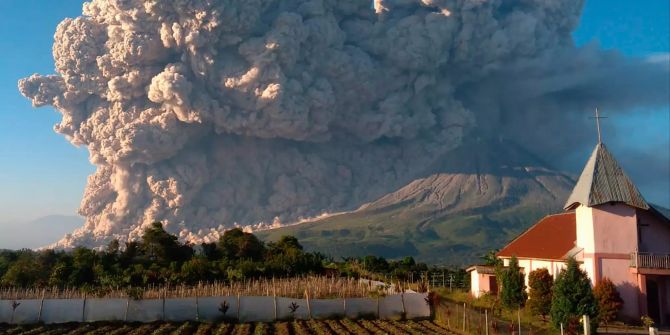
[
  {"x": 340, "y": 327},
  {"x": 159, "y": 260},
  {"x": 647, "y": 321},
  {"x": 540, "y": 283},
  {"x": 501, "y": 320},
  {"x": 513, "y": 294},
  {"x": 394, "y": 232},
  {"x": 609, "y": 300},
  {"x": 572, "y": 298}
]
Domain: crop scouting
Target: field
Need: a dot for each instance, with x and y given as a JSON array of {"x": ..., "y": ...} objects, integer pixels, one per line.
[{"x": 321, "y": 327}]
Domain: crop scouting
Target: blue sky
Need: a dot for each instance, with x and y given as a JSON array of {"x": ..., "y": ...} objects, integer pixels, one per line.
[{"x": 42, "y": 174}]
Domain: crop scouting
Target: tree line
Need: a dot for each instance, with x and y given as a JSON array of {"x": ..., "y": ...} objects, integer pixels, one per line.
[
  {"x": 565, "y": 300},
  {"x": 159, "y": 258}
]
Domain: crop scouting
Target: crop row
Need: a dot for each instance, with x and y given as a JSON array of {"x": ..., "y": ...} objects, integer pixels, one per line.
[
  {"x": 318, "y": 287},
  {"x": 320, "y": 327}
]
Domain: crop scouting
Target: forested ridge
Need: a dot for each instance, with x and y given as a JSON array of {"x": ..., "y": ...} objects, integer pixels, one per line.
[{"x": 159, "y": 258}]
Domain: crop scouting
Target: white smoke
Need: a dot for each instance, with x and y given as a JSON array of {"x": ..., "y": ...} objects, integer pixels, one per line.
[{"x": 207, "y": 114}]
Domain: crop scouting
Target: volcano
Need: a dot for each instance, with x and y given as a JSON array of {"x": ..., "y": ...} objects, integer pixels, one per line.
[{"x": 475, "y": 199}]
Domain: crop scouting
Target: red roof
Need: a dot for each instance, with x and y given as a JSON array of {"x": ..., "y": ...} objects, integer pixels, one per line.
[{"x": 551, "y": 238}]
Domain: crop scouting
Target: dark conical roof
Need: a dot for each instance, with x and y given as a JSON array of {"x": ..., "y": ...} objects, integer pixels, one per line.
[{"x": 603, "y": 181}]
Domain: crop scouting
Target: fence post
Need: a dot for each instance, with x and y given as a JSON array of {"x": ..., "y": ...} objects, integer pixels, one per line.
[
  {"x": 274, "y": 303},
  {"x": 518, "y": 316},
  {"x": 274, "y": 297},
  {"x": 344, "y": 306},
  {"x": 486, "y": 321},
  {"x": 309, "y": 307},
  {"x": 83, "y": 310},
  {"x": 402, "y": 299},
  {"x": 39, "y": 316},
  {"x": 197, "y": 308},
  {"x": 561, "y": 328},
  {"x": 464, "y": 317},
  {"x": 448, "y": 317},
  {"x": 125, "y": 315},
  {"x": 378, "y": 307},
  {"x": 163, "y": 308},
  {"x": 238, "y": 306},
  {"x": 587, "y": 325}
]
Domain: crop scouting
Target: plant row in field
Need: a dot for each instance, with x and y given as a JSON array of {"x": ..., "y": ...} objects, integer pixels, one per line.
[{"x": 297, "y": 327}]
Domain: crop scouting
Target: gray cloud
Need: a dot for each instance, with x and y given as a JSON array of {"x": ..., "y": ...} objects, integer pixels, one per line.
[{"x": 208, "y": 113}]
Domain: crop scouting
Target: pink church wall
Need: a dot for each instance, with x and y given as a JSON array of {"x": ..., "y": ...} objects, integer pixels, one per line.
[
  {"x": 615, "y": 229},
  {"x": 654, "y": 234},
  {"x": 615, "y": 237},
  {"x": 618, "y": 271}
]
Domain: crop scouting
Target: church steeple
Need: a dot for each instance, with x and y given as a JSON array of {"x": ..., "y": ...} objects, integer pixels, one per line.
[{"x": 603, "y": 181}]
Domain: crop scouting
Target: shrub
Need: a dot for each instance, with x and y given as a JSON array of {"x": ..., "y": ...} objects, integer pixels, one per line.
[
  {"x": 647, "y": 321},
  {"x": 609, "y": 300},
  {"x": 513, "y": 294},
  {"x": 572, "y": 297},
  {"x": 540, "y": 284}
]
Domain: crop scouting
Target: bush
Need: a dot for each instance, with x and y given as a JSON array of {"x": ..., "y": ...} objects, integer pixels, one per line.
[
  {"x": 540, "y": 284},
  {"x": 609, "y": 300},
  {"x": 513, "y": 294},
  {"x": 572, "y": 297}
]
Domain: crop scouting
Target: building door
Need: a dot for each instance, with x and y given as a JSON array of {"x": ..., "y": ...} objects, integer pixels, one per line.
[
  {"x": 653, "y": 303},
  {"x": 493, "y": 285}
]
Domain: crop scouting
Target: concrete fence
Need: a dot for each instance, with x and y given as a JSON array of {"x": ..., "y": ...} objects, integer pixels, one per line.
[{"x": 242, "y": 308}]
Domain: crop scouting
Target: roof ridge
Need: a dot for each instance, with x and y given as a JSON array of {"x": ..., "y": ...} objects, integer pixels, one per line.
[{"x": 558, "y": 214}]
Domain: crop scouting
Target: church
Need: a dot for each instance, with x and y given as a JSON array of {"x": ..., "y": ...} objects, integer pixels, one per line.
[{"x": 610, "y": 229}]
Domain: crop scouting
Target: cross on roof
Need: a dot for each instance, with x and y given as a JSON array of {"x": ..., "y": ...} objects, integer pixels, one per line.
[{"x": 598, "y": 117}]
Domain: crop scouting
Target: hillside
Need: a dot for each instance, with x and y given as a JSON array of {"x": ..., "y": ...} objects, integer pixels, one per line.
[{"x": 477, "y": 199}]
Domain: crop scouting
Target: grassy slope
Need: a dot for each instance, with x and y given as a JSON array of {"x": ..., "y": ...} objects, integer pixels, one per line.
[
  {"x": 458, "y": 239},
  {"x": 475, "y": 199}
]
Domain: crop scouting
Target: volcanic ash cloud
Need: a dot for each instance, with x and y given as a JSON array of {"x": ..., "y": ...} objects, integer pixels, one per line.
[{"x": 205, "y": 114}]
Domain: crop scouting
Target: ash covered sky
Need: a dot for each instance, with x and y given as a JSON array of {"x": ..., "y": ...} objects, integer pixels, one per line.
[{"x": 42, "y": 173}]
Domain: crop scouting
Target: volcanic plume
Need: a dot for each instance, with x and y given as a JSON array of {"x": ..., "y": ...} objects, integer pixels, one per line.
[{"x": 206, "y": 114}]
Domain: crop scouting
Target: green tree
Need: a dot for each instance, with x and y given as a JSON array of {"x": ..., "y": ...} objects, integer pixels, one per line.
[
  {"x": 286, "y": 257},
  {"x": 513, "y": 294},
  {"x": 83, "y": 261},
  {"x": 210, "y": 251},
  {"x": 59, "y": 274},
  {"x": 129, "y": 254},
  {"x": 490, "y": 258},
  {"x": 161, "y": 246},
  {"x": 22, "y": 272},
  {"x": 540, "y": 284},
  {"x": 113, "y": 247},
  {"x": 572, "y": 298},
  {"x": 195, "y": 270},
  {"x": 375, "y": 264},
  {"x": 285, "y": 244},
  {"x": 609, "y": 300},
  {"x": 236, "y": 244}
]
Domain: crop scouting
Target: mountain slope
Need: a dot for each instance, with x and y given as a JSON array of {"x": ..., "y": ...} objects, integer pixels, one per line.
[{"x": 476, "y": 199}]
